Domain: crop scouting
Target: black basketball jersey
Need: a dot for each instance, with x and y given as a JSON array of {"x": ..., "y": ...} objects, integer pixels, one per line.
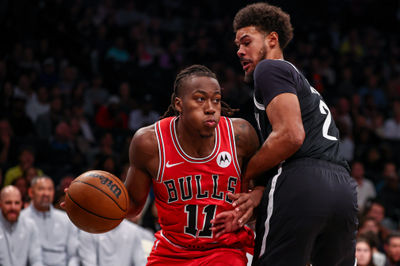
[{"x": 273, "y": 77}]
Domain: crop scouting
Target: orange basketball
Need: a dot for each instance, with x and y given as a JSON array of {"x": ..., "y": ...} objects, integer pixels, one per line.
[{"x": 96, "y": 201}]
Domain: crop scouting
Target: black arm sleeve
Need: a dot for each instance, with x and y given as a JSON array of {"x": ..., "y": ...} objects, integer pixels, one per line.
[{"x": 273, "y": 77}]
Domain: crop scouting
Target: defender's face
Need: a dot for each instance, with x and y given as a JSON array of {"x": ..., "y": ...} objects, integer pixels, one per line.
[
  {"x": 11, "y": 205},
  {"x": 200, "y": 105},
  {"x": 252, "y": 49}
]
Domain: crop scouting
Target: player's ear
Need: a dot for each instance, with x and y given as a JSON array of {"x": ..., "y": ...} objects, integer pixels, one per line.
[
  {"x": 178, "y": 104},
  {"x": 272, "y": 39}
]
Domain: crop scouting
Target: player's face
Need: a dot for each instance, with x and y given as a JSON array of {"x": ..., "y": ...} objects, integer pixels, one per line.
[
  {"x": 252, "y": 49},
  {"x": 42, "y": 194},
  {"x": 200, "y": 105},
  {"x": 363, "y": 253},
  {"x": 11, "y": 205}
]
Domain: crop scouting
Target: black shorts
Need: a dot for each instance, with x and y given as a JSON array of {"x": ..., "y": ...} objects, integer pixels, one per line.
[{"x": 308, "y": 214}]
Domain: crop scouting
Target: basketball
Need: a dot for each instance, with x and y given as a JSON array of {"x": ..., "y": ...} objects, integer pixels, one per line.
[{"x": 96, "y": 201}]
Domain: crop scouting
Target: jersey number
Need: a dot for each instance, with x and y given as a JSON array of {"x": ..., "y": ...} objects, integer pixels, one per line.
[
  {"x": 192, "y": 227},
  {"x": 323, "y": 108}
]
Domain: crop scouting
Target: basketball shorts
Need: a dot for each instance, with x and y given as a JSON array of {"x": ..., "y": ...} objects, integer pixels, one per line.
[
  {"x": 308, "y": 214},
  {"x": 166, "y": 253}
]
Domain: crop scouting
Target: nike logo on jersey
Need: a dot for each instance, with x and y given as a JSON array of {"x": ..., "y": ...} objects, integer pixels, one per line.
[{"x": 168, "y": 165}]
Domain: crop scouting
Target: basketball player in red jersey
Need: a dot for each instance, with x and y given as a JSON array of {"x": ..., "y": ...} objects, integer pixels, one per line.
[{"x": 193, "y": 157}]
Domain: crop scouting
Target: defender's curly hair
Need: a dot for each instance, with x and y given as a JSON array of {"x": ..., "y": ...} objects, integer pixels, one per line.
[
  {"x": 193, "y": 71},
  {"x": 266, "y": 18}
]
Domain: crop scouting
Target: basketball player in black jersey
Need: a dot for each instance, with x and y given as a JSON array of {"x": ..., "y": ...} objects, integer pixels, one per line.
[{"x": 308, "y": 211}]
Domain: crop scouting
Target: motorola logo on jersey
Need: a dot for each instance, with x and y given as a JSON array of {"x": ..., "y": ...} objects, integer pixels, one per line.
[{"x": 224, "y": 159}]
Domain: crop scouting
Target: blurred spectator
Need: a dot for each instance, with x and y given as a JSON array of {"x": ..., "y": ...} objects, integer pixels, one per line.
[
  {"x": 28, "y": 62},
  {"x": 392, "y": 249},
  {"x": 118, "y": 52},
  {"x": 364, "y": 252},
  {"x": 62, "y": 152},
  {"x": 81, "y": 124},
  {"x": 375, "y": 209},
  {"x": 19, "y": 243},
  {"x": 6, "y": 136},
  {"x": 111, "y": 116},
  {"x": 365, "y": 188},
  {"x": 143, "y": 116},
  {"x": 105, "y": 148},
  {"x": 95, "y": 96},
  {"x": 39, "y": 105},
  {"x": 6, "y": 96},
  {"x": 22, "y": 186},
  {"x": 30, "y": 173},
  {"x": 378, "y": 255},
  {"x": 373, "y": 90},
  {"x": 126, "y": 245},
  {"x": 24, "y": 89},
  {"x": 21, "y": 124},
  {"x": 48, "y": 77},
  {"x": 391, "y": 127},
  {"x": 59, "y": 195},
  {"x": 68, "y": 80},
  {"x": 58, "y": 236},
  {"x": 127, "y": 101},
  {"x": 389, "y": 191},
  {"x": 26, "y": 160},
  {"x": 46, "y": 122}
]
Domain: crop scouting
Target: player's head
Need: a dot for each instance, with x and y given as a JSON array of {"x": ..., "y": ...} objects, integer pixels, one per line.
[
  {"x": 195, "y": 81},
  {"x": 262, "y": 32},
  {"x": 197, "y": 99},
  {"x": 42, "y": 192},
  {"x": 10, "y": 203}
]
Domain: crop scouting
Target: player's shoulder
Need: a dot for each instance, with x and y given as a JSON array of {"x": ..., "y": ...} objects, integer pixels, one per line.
[
  {"x": 145, "y": 139},
  {"x": 245, "y": 135},
  {"x": 240, "y": 125},
  {"x": 271, "y": 65}
]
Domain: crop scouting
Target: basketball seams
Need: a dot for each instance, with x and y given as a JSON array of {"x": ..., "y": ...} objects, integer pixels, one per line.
[
  {"x": 89, "y": 211},
  {"x": 93, "y": 186}
]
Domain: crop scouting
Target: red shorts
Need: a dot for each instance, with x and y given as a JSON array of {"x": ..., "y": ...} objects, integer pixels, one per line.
[{"x": 165, "y": 253}]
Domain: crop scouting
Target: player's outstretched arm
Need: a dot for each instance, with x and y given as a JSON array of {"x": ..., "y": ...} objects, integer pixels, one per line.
[{"x": 143, "y": 158}]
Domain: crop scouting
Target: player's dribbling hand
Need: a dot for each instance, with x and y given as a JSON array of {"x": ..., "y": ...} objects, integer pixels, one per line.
[{"x": 62, "y": 204}]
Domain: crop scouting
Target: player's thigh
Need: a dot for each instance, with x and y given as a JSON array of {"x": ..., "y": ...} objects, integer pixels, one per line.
[
  {"x": 335, "y": 246},
  {"x": 289, "y": 241}
]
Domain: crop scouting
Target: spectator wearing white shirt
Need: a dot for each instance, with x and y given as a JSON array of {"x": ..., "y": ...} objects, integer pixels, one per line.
[
  {"x": 391, "y": 126},
  {"x": 126, "y": 245},
  {"x": 19, "y": 240},
  {"x": 365, "y": 188},
  {"x": 58, "y": 236}
]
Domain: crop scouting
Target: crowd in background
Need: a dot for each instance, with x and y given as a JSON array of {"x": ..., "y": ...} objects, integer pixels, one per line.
[{"x": 78, "y": 78}]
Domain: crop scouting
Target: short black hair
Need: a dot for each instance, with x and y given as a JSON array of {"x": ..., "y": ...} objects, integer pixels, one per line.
[{"x": 266, "y": 18}]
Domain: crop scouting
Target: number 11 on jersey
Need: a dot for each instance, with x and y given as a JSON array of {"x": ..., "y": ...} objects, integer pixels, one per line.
[{"x": 192, "y": 220}]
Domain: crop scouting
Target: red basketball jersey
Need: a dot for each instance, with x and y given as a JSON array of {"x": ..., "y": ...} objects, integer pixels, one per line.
[{"x": 190, "y": 192}]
